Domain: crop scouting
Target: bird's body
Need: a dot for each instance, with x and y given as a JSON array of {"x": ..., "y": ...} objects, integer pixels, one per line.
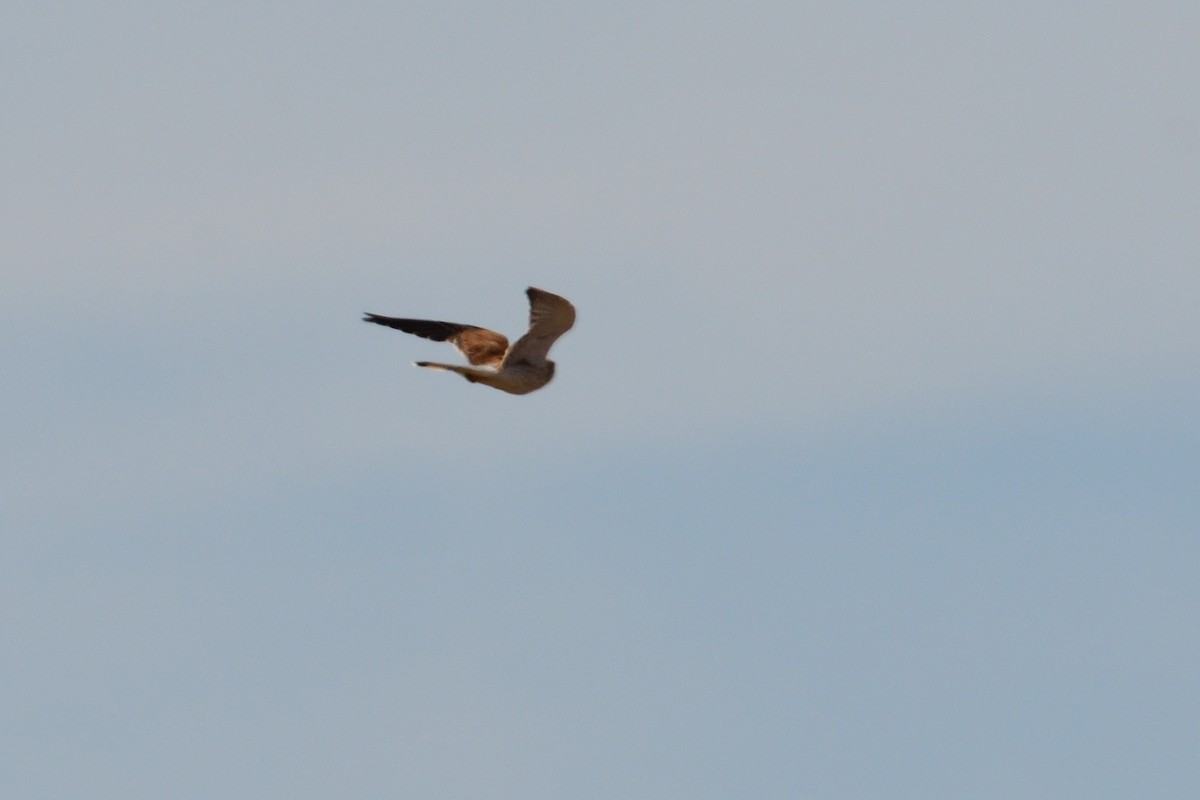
[{"x": 519, "y": 369}]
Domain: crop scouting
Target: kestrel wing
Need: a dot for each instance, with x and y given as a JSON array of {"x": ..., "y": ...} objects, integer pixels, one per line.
[
  {"x": 550, "y": 316},
  {"x": 480, "y": 346}
]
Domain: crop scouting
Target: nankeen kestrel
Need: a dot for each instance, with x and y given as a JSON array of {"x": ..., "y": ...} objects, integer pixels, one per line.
[{"x": 519, "y": 369}]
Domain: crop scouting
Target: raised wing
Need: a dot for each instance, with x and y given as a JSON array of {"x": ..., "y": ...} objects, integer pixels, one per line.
[
  {"x": 482, "y": 348},
  {"x": 550, "y": 316}
]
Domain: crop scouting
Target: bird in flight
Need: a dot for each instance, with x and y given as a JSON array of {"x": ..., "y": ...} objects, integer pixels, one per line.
[{"x": 519, "y": 369}]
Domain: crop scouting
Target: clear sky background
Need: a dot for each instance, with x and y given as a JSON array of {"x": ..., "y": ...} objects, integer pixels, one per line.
[{"x": 870, "y": 469}]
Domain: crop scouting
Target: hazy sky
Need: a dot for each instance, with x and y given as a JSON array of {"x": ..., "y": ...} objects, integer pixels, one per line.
[{"x": 871, "y": 466}]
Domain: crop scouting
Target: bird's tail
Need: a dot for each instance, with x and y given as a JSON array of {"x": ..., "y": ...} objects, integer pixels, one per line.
[{"x": 470, "y": 373}]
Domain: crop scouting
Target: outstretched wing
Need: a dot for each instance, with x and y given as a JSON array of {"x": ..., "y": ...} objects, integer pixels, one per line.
[
  {"x": 550, "y": 316},
  {"x": 483, "y": 348}
]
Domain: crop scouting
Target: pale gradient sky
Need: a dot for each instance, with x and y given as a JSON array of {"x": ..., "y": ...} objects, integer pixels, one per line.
[{"x": 870, "y": 468}]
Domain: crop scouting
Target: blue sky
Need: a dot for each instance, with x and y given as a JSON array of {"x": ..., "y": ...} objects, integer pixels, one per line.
[{"x": 869, "y": 469}]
